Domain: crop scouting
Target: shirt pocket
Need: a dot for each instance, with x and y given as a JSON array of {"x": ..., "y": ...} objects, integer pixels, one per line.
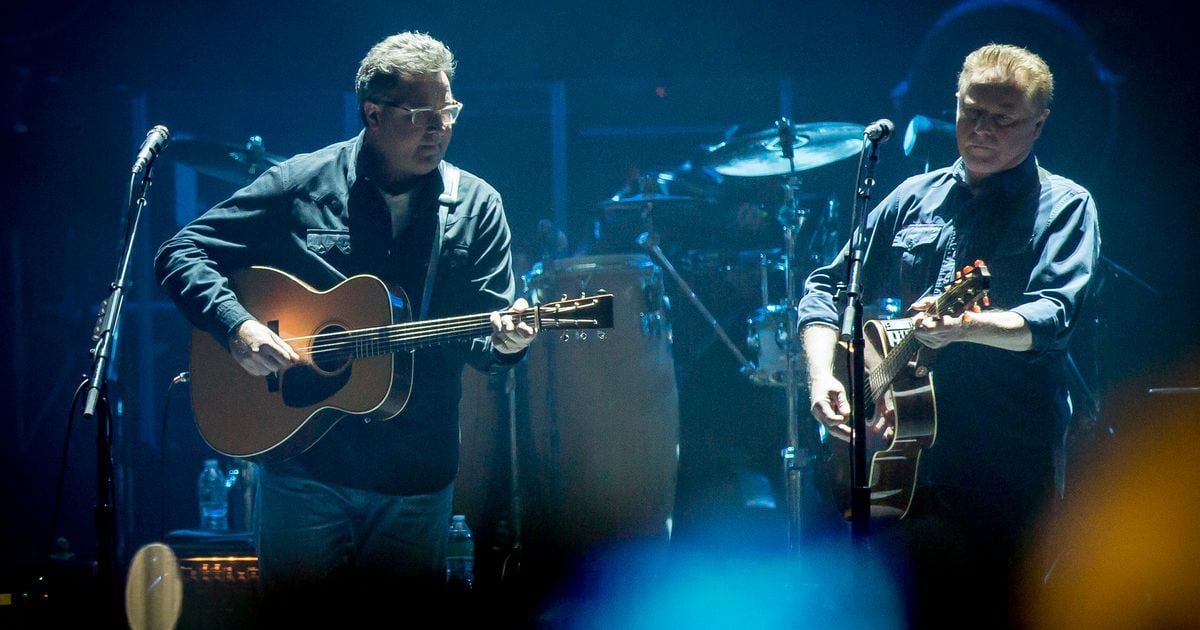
[
  {"x": 456, "y": 262},
  {"x": 917, "y": 242},
  {"x": 919, "y": 259},
  {"x": 327, "y": 242}
]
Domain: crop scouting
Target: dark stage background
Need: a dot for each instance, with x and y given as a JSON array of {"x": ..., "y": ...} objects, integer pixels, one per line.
[{"x": 564, "y": 103}]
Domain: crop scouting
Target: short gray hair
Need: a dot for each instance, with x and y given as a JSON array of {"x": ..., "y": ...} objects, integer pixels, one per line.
[{"x": 401, "y": 56}]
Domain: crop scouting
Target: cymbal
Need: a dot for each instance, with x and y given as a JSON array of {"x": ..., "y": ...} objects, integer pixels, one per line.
[
  {"x": 669, "y": 203},
  {"x": 226, "y": 162},
  {"x": 761, "y": 153}
]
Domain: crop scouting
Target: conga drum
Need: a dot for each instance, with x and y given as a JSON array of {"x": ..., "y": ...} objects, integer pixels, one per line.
[{"x": 601, "y": 450}]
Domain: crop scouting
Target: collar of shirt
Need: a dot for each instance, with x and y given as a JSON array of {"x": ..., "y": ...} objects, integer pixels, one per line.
[
  {"x": 1006, "y": 184},
  {"x": 355, "y": 154}
]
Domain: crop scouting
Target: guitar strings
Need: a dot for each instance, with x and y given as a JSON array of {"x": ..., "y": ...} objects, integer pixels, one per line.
[
  {"x": 392, "y": 335},
  {"x": 384, "y": 338}
]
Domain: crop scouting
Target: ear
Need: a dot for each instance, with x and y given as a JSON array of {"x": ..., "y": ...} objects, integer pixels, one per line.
[
  {"x": 1037, "y": 128},
  {"x": 371, "y": 114}
]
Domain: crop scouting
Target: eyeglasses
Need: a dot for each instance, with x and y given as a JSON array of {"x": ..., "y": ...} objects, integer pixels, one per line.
[{"x": 429, "y": 116}]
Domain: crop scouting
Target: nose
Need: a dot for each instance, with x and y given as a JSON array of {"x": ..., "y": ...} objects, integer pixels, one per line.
[{"x": 984, "y": 123}]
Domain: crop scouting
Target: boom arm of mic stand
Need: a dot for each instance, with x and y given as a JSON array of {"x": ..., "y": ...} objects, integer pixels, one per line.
[{"x": 656, "y": 252}]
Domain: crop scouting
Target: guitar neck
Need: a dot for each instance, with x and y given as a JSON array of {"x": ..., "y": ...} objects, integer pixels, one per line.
[
  {"x": 889, "y": 368},
  {"x": 401, "y": 337},
  {"x": 410, "y": 336}
]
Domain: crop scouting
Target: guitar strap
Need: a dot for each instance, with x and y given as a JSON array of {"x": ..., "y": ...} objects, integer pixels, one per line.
[{"x": 449, "y": 197}]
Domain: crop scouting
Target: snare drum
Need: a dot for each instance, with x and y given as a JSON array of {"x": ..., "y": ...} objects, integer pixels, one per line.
[{"x": 603, "y": 410}]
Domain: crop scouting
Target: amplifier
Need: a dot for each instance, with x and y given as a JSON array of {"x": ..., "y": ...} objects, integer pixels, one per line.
[{"x": 219, "y": 572}]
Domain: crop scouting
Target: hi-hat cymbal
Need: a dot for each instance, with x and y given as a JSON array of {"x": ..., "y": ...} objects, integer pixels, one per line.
[
  {"x": 761, "y": 153},
  {"x": 671, "y": 203},
  {"x": 226, "y": 162}
]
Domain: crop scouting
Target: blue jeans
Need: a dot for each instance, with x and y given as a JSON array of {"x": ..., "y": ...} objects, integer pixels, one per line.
[{"x": 321, "y": 543}]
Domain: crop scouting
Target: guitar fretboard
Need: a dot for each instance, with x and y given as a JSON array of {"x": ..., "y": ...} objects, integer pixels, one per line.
[{"x": 410, "y": 336}]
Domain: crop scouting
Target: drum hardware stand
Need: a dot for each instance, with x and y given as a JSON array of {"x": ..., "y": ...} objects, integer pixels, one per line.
[
  {"x": 649, "y": 242},
  {"x": 511, "y": 567},
  {"x": 796, "y": 456}
]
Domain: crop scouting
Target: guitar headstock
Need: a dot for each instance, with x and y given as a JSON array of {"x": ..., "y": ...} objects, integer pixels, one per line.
[
  {"x": 589, "y": 311},
  {"x": 966, "y": 293}
]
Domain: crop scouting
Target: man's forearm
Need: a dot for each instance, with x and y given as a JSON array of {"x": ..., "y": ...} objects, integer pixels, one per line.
[{"x": 820, "y": 343}]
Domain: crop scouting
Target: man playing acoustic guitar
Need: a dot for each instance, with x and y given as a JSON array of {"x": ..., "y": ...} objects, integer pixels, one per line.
[
  {"x": 361, "y": 516},
  {"x": 998, "y": 376}
]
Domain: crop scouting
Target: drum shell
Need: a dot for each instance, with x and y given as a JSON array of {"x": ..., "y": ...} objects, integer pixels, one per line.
[
  {"x": 767, "y": 340},
  {"x": 603, "y": 411}
]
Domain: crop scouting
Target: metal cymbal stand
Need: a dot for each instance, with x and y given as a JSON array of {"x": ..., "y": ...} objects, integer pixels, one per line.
[
  {"x": 649, "y": 242},
  {"x": 795, "y": 455}
]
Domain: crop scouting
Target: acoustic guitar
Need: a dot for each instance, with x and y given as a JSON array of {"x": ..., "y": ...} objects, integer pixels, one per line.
[
  {"x": 897, "y": 369},
  {"x": 356, "y": 359}
]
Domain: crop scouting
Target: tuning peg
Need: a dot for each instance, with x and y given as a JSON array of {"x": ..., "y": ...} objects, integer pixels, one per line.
[
  {"x": 968, "y": 269},
  {"x": 958, "y": 275},
  {"x": 986, "y": 302}
]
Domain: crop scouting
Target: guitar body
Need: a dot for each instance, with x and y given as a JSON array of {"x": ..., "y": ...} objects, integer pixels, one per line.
[
  {"x": 898, "y": 377},
  {"x": 282, "y": 415},
  {"x": 356, "y": 350},
  {"x": 893, "y": 460}
]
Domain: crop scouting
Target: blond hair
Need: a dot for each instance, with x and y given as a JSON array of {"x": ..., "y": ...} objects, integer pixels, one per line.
[{"x": 1008, "y": 64}]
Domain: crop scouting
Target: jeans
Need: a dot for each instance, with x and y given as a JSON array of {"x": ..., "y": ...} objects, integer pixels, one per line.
[{"x": 326, "y": 549}]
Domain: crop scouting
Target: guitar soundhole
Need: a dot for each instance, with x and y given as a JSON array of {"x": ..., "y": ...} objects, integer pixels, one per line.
[{"x": 332, "y": 350}]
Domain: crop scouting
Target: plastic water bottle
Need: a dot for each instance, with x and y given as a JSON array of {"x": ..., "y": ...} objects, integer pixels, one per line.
[
  {"x": 214, "y": 497},
  {"x": 460, "y": 555}
]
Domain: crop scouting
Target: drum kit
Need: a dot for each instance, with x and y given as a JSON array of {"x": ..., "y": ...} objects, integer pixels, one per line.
[
  {"x": 226, "y": 162},
  {"x": 714, "y": 217}
]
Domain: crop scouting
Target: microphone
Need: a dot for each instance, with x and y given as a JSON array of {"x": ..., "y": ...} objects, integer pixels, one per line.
[
  {"x": 786, "y": 137},
  {"x": 156, "y": 139},
  {"x": 880, "y": 130}
]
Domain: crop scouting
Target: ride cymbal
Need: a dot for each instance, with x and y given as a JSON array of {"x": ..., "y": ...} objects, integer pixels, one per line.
[{"x": 760, "y": 153}]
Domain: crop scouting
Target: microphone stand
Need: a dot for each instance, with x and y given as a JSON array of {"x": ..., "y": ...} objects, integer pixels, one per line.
[
  {"x": 851, "y": 334},
  {"x": 96, "y": 401}
]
